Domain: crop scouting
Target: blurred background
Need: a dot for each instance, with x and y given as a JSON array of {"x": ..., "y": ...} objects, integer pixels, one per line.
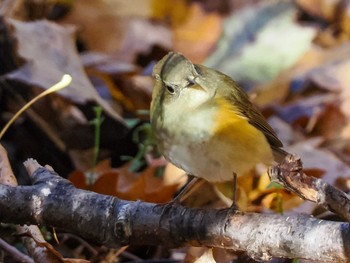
[{"x": 292, "y": 57}]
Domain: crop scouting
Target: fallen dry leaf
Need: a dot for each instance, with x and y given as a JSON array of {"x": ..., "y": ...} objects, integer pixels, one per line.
[
  {"x": 325, "y": 9},
  {"x": 155, "y": 190},
  {"x": 145, "y": 186},
  {"x": 174, "y": 175},
  {"x": 78, "y": 178},
  {"x": 301, "y": 111},
  {"x": 7, "y": 176},
  {"x": 107, "y": 183},
  {"x": 197, "y": 36},
  {"x": 320, "y": 159},
  {"x": 279, "y": 88},
  {"x": 175, "y": 12},
  {"x": 102, "y": 24},
  {"x": 206, "y": 257},
  {"x": 127, "y": 185},
  {"x": 330, "y": 122},
  {"x": 49, "y": 51},
  {"x": 343, "y": 183},
  {"x": 285, "y": 131},
  {"x": 281, "y": 201},
  {"x": 140, "y": 36}
]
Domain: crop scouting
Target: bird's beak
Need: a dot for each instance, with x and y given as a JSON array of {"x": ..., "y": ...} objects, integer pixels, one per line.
[{"x": 198, "y": 83}]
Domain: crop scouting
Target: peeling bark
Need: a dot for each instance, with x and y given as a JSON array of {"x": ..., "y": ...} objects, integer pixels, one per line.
[{"x": 290, "y": 174}]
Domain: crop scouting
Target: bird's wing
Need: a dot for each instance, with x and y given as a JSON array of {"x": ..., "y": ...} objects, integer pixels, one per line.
[
  {"x": 229, "y": 89},
  {"x": 247, "y": 110}
]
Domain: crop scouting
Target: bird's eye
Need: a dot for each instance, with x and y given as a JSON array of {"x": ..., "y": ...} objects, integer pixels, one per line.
[{"x": 170, "y": 89}]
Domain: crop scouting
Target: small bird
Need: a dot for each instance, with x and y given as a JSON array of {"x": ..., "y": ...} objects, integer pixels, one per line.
[{"x": 205, "y": 124}]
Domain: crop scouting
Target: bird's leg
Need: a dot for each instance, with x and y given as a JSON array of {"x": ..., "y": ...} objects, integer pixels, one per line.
[
  {"x": 233, "y": 208},
  {"x": 190, "y": 182},
  {"x": 177, "y": 199}
]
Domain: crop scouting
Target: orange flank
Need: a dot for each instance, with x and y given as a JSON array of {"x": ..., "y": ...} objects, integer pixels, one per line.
[{"x": 242, "y": 145}]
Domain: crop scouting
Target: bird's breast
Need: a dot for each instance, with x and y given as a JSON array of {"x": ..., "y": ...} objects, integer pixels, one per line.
[{"x": 211, "y": 142}]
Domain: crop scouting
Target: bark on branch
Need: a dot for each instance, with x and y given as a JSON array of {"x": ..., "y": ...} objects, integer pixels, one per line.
[
  {"x": 39, "y": 254},
  {"x": 54, "y": 201},
  {"x": 290, "y": 174}
]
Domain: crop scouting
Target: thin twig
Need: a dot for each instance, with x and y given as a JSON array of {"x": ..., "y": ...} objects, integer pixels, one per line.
[{"x": 14, "y": 252}]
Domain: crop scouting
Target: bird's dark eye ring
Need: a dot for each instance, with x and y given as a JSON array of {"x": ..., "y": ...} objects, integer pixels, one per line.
[{"x": 170, "y": 89}]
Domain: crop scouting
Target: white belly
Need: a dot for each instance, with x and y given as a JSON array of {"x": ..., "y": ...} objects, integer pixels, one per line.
[{"x": 213, "y": 160}]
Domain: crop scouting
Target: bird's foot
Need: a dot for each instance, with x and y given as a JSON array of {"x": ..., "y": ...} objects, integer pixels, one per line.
[
  {"x": 231, "y": 211},
  {"x": 177, "y": 200},
  {"x": 166, "y": 208}
]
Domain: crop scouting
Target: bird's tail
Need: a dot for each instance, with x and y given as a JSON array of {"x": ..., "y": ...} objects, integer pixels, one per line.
[{"x": 279, "y": 154}]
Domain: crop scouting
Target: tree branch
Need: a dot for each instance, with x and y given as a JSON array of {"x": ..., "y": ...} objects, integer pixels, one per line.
[
  {"x": 54, "y": 201},
  {"x": 7, "y": 178},
  {"x": 290, "y": 174}
]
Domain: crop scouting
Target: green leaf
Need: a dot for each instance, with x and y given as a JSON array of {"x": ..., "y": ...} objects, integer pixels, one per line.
[{"x": 274, "y": 185}]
